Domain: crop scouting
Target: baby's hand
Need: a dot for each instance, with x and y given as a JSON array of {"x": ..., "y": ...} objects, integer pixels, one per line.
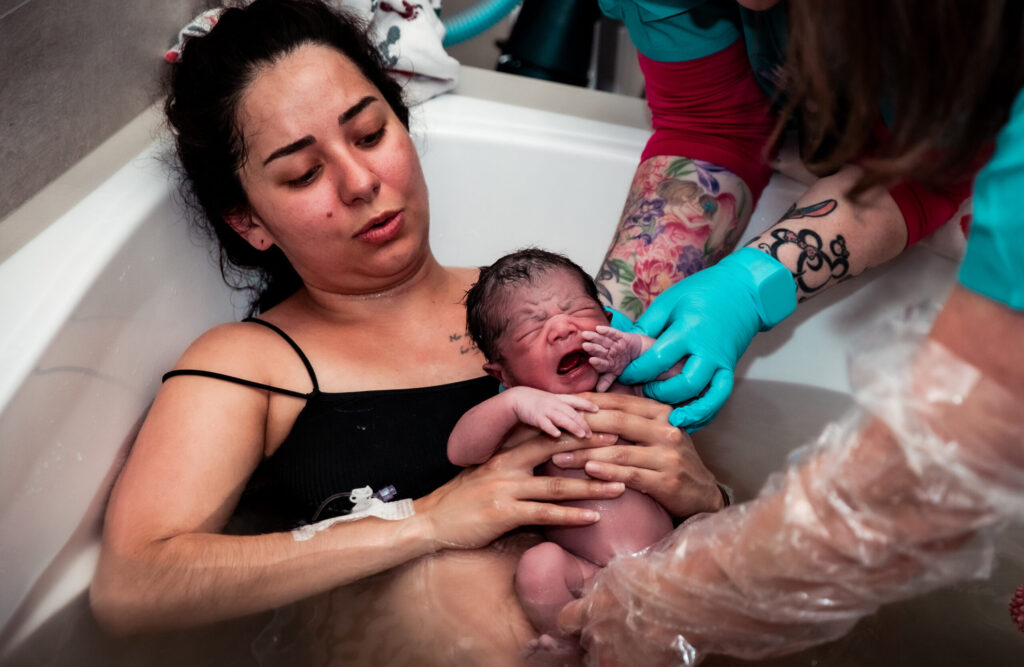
[
  {"x": 549, "y": 411},
  {"x": 610, "y": 352}
]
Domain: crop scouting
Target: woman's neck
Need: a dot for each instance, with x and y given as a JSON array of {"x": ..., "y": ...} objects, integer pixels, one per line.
[{"x": 419, "y": 287}]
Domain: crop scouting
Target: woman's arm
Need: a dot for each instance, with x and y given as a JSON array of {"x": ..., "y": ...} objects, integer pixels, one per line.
[
  {"x": 878, "y": 514},
  {"x": 164, "y": 564},
  {"x": 712, "y": 317},
  {"x": 825, "y": 238},
  {"x": 680, "y": 216}
]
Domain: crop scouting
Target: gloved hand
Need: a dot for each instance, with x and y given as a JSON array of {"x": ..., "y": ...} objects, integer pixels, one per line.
[
  {"x": 620, "y": 321},
  {"x": 711, "y": 316}
]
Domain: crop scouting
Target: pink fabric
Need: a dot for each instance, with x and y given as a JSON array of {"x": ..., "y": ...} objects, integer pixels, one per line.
[
  {"x": 711, "y": 109},
  {"x": 926, "y": 209}
]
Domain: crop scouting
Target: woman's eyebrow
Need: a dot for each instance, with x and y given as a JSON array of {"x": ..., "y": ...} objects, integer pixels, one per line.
[
  {"x": 309, "y": 140},
  {"x": 293, "y": 147},
  {"x": 354, "y": 110}
]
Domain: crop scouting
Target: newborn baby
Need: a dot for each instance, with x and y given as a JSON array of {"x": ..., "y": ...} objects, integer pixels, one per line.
[{"x": 536, "y": 318}]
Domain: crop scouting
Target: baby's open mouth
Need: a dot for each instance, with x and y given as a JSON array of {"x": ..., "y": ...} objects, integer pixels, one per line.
[{"x": 572, "y": 361}]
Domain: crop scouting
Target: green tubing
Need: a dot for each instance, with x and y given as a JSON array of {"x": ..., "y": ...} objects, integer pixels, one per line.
[{"x": 472, "y": 21}]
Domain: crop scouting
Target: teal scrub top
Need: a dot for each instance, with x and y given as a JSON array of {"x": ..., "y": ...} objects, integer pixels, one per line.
[
  {"x": 994, "y": 263},
  {"x": 677, "y": 30}
]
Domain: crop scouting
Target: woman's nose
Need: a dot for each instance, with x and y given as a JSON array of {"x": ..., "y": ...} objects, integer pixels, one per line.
[{"x": 356, "y": 182}]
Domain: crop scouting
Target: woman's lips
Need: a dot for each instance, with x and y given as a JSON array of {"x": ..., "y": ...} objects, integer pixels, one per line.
[{"x": 382, "y": 228}]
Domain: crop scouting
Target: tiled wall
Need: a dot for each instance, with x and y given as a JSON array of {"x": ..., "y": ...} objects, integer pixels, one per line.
[{"x": 71, "y": 74}]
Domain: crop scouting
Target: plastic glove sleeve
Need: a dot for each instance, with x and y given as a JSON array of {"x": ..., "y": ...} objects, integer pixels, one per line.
[{"x": 899, "y": 497}]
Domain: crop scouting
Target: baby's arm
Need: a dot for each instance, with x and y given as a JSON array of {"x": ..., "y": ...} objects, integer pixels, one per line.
[
  {"x": 480, "y": 431},
  {"x": 612, "y": 350}
]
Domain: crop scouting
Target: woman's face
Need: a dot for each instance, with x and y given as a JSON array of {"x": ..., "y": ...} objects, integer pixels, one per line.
[{"x": 331, "y": 175}]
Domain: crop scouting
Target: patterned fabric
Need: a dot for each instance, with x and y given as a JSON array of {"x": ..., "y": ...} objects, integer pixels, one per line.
[{"x": 407, "y": 33}]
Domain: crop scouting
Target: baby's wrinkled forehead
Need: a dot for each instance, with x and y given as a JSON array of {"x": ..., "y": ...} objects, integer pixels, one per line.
[
  {"x": 549, "y": 288},
  {"x": 540, "y": 298}
]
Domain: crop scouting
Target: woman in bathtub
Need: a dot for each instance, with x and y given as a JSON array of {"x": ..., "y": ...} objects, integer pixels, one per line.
[
  {"x": 535, "y": 315},
  {"x": 295, "y": 146}
]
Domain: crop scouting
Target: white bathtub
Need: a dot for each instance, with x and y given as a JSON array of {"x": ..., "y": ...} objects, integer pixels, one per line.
[{"x": 104, "y": 300}]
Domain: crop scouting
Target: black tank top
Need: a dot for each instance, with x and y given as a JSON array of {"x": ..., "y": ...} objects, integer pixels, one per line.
[{"x": 343, "y": 441}]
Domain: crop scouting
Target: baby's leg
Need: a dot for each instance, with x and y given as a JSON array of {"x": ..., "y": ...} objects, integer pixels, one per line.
[
  {"x": 549, "y": 577},
  {"x": 611, "y": 351}
]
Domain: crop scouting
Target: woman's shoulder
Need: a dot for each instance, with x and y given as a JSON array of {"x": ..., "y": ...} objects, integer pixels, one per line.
[{"x": 241, "y": 349}]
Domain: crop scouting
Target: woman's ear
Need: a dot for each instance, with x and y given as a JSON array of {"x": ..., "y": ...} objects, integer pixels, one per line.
[{"x": 251, "y": 228}]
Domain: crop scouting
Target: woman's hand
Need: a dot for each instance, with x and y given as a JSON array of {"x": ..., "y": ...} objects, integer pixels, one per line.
[
  {"x": 486, "y": 501},
  {"x": 662, "y": 463}
]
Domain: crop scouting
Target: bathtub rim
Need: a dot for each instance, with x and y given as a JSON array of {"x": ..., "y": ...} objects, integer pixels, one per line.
[{"x": 59, "y": 196}]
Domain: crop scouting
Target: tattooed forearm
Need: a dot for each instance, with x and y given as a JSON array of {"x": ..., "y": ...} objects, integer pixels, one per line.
[
  {"x": 816, "y": 266},
  {"x": 814, "y": 263},
  {"x": 681, "y": 216}
]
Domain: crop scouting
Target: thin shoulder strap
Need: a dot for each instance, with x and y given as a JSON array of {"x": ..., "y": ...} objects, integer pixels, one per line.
[
  {"x": 298, "y": 350},
  {"x": 250, "y": 383},
  {"x": 231, "y": 378}
]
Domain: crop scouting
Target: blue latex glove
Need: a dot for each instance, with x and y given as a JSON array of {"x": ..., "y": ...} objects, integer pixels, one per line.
[
  {"x": 711, "y": 317},
  {"x": 621, "y": 322}
]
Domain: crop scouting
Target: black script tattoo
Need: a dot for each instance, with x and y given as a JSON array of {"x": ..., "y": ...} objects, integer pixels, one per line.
[
  {"x": 816, "y": 265},
  {"x": 465, "y": 347}
]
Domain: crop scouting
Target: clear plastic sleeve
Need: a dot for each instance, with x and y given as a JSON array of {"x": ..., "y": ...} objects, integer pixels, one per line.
[{"x": 899, "y": 497}]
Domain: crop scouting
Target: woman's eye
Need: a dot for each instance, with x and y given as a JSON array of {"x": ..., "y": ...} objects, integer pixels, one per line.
[
  {"x": 305, "y": 179},
  {"x": 371, "y": 140}
]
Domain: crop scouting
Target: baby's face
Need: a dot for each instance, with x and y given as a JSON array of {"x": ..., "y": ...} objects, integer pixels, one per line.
[{"x": 541, "y": 346}]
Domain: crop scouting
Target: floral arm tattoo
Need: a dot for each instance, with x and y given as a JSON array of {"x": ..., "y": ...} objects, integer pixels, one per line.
[
  {"x": 681, "y": 215},
  {"x": 815, "y": 265}
]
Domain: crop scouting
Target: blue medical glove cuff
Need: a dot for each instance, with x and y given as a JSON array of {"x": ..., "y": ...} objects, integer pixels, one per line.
[
  {"x": 620, "y": 321},
  {"x": 770, "y": 282}
]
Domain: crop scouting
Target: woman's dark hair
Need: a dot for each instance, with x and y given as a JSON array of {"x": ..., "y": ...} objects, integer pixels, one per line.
[
  {"x": 947, "y": 70},
  {"x": 487, "y": 299},
  {"x": 204, "y": 89}
]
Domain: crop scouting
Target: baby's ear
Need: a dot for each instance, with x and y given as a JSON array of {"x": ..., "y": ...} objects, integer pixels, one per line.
[{"x": 497, "y": 371}]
